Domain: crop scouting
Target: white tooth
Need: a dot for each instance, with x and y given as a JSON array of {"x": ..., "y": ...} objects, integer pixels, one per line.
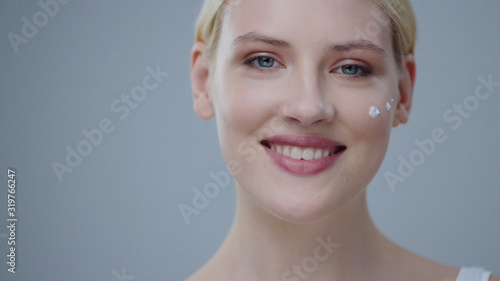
[
  {"x": 308, "y": 154},
  {"x": 279, "y": 149},
  {"x": 318, "y": 154},
  {"x": 286, "y": 151},
  {"x": 296, "y": 153},
  {"x": 326, "y": 153},
  {"x": 273, "y": 148}
]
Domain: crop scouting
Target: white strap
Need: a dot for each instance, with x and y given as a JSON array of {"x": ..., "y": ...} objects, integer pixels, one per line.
[{"x": 473, "y": 274}]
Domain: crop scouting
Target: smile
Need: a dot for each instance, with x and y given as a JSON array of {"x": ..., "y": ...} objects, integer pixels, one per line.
[
  {"x": 300, "y": 153},
  {"x": 303, "y": 155}
]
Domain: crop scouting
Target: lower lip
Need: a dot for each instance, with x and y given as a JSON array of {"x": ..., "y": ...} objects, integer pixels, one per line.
[{"x": 302, "y": 167}]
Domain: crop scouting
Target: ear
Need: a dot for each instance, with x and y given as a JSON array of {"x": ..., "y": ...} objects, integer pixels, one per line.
[
  {"x": 406, "y": 85},
  {"x": 199, "y": 82}
]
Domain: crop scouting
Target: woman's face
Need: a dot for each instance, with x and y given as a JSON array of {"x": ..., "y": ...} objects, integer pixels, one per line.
[{"x": 291, "y": 85}]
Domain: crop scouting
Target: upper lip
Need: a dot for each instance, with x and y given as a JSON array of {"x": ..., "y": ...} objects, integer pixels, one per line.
[{"x": 303, "y": 141}]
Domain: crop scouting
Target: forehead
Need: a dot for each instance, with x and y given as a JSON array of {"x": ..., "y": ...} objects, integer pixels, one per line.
[{"x": 305, "y": 23}]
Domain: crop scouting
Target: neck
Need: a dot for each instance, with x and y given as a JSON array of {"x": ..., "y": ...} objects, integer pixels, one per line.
[{"x": 263, "y": 247}]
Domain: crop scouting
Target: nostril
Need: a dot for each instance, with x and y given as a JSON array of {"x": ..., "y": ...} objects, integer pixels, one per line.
[{"x": 309, "y": 113}]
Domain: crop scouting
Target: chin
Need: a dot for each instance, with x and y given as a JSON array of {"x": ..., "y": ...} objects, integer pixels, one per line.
[
  {"x": 298, "y": 217},
  {"x": 300, "y": 214},
  {"x": 301, "y": 209}
]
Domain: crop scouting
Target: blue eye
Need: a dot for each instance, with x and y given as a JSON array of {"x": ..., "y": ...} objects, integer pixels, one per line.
[
  {"x": 263, "y": 63},
  {"x": 353, "y": 71},
  {"x": 350, "y": 69}
]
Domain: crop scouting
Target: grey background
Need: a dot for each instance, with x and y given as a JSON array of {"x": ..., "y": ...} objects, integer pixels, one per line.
[{"x": 118, "y": 210}]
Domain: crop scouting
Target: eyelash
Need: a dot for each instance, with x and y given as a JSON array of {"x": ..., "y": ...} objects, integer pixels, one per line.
[
  {"x": 250, "y": 63},
  {"x": 365, "y": 71}
]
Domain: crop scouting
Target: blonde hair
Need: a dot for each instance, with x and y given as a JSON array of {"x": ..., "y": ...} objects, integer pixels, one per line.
[{"x": 400, "y": 13}]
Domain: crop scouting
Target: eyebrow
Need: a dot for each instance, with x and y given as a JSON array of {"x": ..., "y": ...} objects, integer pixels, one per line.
[
  {"x": 256, "y": 37},
  {"x": 343, "y": 47},
  {"x": 357, "y": 45}
]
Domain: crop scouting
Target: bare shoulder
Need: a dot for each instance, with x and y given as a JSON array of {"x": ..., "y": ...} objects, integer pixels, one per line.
[
  {"x": 443, "y": 272},
  {"x": 207, "y": 273},
  {"x": 200, "y": 275},
  {"x": 410, "y": 266},
  {"x": 494, "y": 278},
  {"x": 196, "y": 277}
]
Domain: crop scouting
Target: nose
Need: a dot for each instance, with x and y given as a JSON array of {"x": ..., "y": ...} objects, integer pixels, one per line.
[{"x": 307, "y": 103}]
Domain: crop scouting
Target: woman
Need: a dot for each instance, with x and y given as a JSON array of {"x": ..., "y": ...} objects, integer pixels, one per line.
[{"x": 305, "y": 94}]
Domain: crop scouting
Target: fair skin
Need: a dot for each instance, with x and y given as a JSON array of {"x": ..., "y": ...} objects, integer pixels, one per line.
[{"x": 295, "y": 69}]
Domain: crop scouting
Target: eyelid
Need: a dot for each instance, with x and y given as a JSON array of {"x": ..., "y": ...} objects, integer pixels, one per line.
[
  {"x": 248, "y": 61},
  {"x": 366, "y": 69},
  {"x": 346, "y": 61}
]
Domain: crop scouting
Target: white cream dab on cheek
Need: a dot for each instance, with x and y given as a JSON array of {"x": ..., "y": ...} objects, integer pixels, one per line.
[
  {"x": 388, "y": 106},
  {"x": 374, "y": 112}
]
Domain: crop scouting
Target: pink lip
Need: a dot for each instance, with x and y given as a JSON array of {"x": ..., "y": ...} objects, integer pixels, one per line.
[{"x": 303, "y": 167}]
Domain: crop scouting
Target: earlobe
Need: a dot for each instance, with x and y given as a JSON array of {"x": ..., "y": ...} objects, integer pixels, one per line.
[
  {"x": 406, "y": 85},
  {"x": 199, "y": 82}
]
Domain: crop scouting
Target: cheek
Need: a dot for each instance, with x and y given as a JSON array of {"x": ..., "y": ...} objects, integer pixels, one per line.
[
  {"x": 366, "y": 110},
  {"x": 239, "y": 112},
  {"x": 367, "y": 115},
  {"x": 366, "y": 123},
  {"x": 368, "y": 118}
]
